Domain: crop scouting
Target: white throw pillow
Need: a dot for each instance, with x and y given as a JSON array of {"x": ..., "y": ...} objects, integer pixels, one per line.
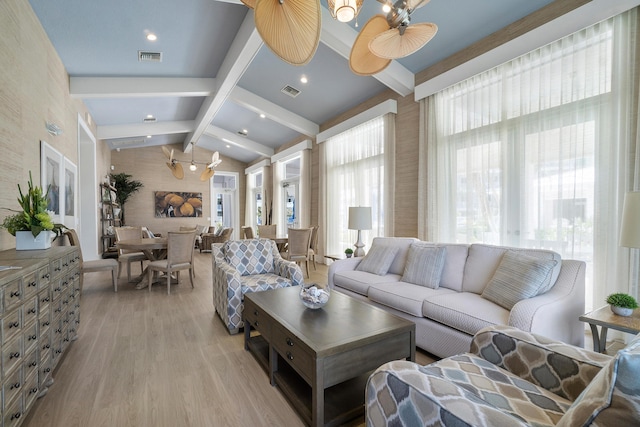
[
  {"x": 424, "y": 265},
  {"x": 378, "y": 260},
  {"x": 518, "y": 277}
]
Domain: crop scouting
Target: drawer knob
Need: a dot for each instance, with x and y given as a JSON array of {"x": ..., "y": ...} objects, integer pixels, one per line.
[
  {"x": 33, "y": 390},
  {"x": 289, "y": 342},
  {"x": 46, "y": 370},
  {"x": 46, "y": 347},
  {"x": 256, "y": 324},
  {"x": 16, "y": 415},
  {"x": 14, "y": 356},
  {"x": 32, "y": 337},
  {"x": 15, "y": 294},
  {"x": 16, "y": 385},
  {"x": 32, "y": 311},
  {"x": 14, "y": 325},
  {"x": 33, "y": 364},
  {"x": 289, "y": 355},
  {"x": 255, "y": 312},
  {"x": 32, "y": 284}
]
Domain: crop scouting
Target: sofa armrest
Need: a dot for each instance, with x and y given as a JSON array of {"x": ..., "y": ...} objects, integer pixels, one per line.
[
  {"x": 561, "y": 368},
  {"x": 402, "y": 393},
  {"x": 555, "y": 313},
  {"x": 348, "y": 264}
]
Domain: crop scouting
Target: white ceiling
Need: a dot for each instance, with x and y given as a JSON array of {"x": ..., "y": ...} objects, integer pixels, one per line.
[{"x": 216, "y": 76}]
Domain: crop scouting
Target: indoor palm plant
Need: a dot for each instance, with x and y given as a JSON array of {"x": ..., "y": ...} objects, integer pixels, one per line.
[
  {"x": 33, "y": 219},
  {"x": 622, "y": 304},
  {"x": 125, "y": 187}
]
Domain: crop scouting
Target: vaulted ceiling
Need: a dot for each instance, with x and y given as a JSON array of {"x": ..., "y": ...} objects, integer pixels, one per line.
[{"x": 216, "y": 78}]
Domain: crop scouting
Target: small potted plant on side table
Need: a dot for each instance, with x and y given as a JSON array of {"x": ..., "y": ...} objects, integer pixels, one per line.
[
  {"x": 33, "y": 225},
  {"x": 348, "y": 252},
  {"x": 622, "y": 304}
]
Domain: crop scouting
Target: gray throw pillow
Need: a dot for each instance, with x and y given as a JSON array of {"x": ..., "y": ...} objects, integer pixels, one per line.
[
  {"x": 424, "y": 265},
  {"x": 518, "y": 277},
  {"x": 378, "y": 260}
]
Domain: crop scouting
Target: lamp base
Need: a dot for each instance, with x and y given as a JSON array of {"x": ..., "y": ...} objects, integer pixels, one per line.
[{"x": 359, "y": 252}]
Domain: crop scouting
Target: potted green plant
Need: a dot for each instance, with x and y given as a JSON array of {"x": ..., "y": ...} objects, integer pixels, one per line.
[
  {"x": 622, "y": 304},
  {"x": 125, "y": 187},
  {"x": 33, "y": 226},
  {"x": 348, "y": 252}
]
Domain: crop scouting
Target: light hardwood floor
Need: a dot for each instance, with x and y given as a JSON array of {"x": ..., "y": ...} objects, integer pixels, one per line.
[{"x": 148, "y": 359}]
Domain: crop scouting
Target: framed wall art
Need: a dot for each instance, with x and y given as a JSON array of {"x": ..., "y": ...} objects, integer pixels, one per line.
[
  {"x": 52, "y": 178},
  {"x": 178, "y": 204},
  {"x": 70, "y": 190}
]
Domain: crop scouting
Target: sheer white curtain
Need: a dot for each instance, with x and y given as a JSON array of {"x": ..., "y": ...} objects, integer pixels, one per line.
[
  {"x": 359, "y": 166},
  {"x": 250, "y": 203},
  {"x": 305, "y": 188},
  {"x": 539, "y": 152}
]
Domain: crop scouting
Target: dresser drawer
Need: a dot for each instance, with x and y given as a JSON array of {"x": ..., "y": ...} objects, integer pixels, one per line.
[
  {"x": 56, "y": 289},
  {"x": 31, "y": 310},
  {"x": 13, "y": 385},
  {"x": 30, "y": 363},
  {"x": 290, "y": 348},
  {"x": 30, "y": 284},
  {"x": 30, "y": 391},
  {"x": 30, "y": 336},
  {"x": 44, "y": 370},
  {"x": 11, "y": 324},
  {"x": 44, "y": 319},
  {"x": 44, "y": 274},
  {"x": 13, "y": 413},
  {"x": 11, "y": 354},
  {"x": 44, "y": 344},
  {"x": 44, "y": 299},
  {"x": 12, "y": 294}
]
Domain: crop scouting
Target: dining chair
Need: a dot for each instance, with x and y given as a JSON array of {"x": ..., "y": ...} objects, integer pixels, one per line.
[
  {"x": 267, "y": 231},
  {"x": 127, "y": 255},
  {"x": 180, "y": 250},
  {"x": 313, "y": 246},
  {"x": 298, "y": 247},
  {"x": 247, "y": 232},
  {"x": 107, "y": 264}
]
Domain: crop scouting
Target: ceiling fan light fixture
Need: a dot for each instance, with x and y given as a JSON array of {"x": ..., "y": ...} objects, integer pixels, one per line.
[
  {"x": 193, "y": 167},
  {"x": 344, "y": 10}
]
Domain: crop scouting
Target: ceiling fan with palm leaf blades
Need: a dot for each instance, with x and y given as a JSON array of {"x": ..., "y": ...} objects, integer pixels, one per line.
[
  {"x": 176, "y": 167},
  {"x": 384, "y": 38}
]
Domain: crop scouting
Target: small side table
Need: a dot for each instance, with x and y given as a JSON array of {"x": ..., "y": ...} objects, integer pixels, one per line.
[
  {"x": 605, "y": 318},
  {"x": 335, "y": 257}
]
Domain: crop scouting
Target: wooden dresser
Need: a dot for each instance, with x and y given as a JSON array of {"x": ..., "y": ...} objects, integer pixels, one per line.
[{"x": 39, "y": 317}]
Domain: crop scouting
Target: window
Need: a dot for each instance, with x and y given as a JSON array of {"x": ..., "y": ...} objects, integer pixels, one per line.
[
  {"x": 257, "y": 199},
  {"x": 291, "y": 193}
]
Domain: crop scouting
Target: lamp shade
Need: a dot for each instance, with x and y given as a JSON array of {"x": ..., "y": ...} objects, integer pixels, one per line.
[
  {"x": 630, "y": 229},
  {"x": 360, "y": 218}
]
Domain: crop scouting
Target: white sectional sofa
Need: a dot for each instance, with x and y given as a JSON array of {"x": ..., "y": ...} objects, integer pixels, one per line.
[{"x": 475, "y": 286}]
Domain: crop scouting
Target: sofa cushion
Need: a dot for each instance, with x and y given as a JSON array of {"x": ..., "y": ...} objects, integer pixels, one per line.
[
  {"x": 613, "y": 397},
  {"x": 483, "y": 260},
  {"x": 403, "y": 296},
  {"x": 453, "y": 270},
  {"x": 465, "y": 311},
  {"x": 403, "y": 244},
  {"x": 424, "y": 265},
  {"x": 250, "y": 256},
  {"x": 519, "y": 276},
  {"x": 378, "y": 260},
  {"x": 359, "y": 281}
]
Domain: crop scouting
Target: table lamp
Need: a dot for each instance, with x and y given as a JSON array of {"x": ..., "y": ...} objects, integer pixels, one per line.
[
  {"x": 359, "y": 219},
  {"x": 630, "y": 228}
]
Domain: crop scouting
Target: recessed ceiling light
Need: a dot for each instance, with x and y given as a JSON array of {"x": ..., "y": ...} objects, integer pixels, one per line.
[
  {"x": 304, "y": 79},
  {"x": 152, "y": 37},
  {"x": 149, "y": 116},
  {"x": 148, "y": 136},
  {"x": 228, "y": 146},
  {"x": 262, "y": 115}
]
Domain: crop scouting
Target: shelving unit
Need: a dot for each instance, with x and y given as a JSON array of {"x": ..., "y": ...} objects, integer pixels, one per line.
[{"x": 110, "y": 218}]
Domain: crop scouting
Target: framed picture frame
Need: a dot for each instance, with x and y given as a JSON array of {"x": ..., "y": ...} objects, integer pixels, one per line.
[
  {"x": 70, "y": 191},
  {"x": 52, "y": 178}
]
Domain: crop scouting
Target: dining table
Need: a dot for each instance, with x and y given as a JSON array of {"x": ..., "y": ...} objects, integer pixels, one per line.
[
  {"x": 154, "y": 248},
  {"x": 281, "y": 243}
]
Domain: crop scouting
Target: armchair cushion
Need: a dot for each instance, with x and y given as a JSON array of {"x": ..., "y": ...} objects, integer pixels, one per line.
[
  {"x": 250, "y": 256},
  {"x": 613, "y": 397}
]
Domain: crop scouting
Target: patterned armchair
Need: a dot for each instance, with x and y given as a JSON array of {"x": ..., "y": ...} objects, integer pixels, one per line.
[
  {"x": 513, "y": 378},
  {"x": 212, "y": 237},
  {"x": 243, "y": 266}
]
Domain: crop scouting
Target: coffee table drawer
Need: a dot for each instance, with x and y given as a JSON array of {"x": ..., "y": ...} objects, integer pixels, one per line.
[
  {"x": 257, "y": 318},
  {"x": 292, "y": 350}
]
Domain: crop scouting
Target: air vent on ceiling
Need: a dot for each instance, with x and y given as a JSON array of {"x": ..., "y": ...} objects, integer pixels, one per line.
[
  {"x": 125, "y": 142},
  {"x": 145, "y": 56},
  {"x": 149, "y": 120},
  {"x": 290, "y": 90}
]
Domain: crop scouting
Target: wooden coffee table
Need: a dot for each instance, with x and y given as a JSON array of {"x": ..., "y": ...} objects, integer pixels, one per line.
[
  {"x": 605, "y": 318},
  {"x": 321, "y": 359}
]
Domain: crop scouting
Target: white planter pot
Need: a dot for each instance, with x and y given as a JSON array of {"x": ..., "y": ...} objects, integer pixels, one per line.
[
  {"x": 25, "y": 240},
  {"x": 621, "y": 311}
]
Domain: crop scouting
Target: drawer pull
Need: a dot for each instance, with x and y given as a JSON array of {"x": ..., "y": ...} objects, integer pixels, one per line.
[
  {"x": 289, "y": 355},
  {"x": 32, "y": 284},
  {"x": 33, "y": 364},
  {"x": 46, "y": 323},
  {"x": 31, "y": 337},
  {"x": 15, "y": 294},
  {"x": 46, "y": 276},
  {"x": 31, "y": 311},
  {"x": 14, "y": 356},
  {"x": 256, "y": 323},
  {"x": 16, "y": 416},
  {"x": 46, "y": 370},
  {"x": 289, "y": 342},
  {"x": 14, "y": 325},
  {"x": 33, "y": 390},
  {"x": 255, "y": 312},
  {"x": 46, "y": 347},
  {"x": 15, "y": 385}
]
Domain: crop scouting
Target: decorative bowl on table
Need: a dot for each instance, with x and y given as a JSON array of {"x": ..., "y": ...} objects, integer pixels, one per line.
[{"x": 314, "y": 296}]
